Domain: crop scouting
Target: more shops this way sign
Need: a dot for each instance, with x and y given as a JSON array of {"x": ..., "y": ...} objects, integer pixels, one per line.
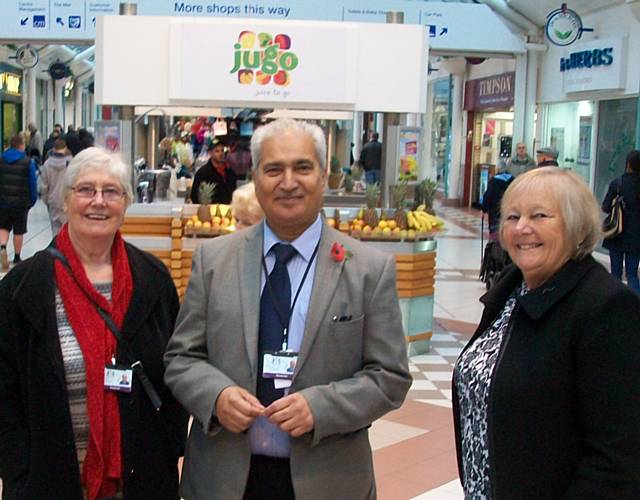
[{"x": 593, "y": 66}]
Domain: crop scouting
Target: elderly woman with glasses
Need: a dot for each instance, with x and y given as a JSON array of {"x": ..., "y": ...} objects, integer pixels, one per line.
[
  {"x": 83, "y": 328},
  {"x": 546, "y": 395}
]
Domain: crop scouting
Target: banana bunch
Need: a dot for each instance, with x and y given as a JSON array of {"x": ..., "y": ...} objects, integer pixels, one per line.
[{"x": 423, "y": 221}]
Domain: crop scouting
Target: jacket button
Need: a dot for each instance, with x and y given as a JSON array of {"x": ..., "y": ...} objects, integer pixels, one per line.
[{"x": 131, "y": 472}]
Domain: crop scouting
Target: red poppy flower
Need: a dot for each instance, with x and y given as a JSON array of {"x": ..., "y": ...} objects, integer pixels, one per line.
[{"x": 339, "y": 253}]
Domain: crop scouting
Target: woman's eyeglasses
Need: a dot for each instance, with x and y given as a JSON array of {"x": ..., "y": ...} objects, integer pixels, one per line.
[{"x": 109, "y": 193}]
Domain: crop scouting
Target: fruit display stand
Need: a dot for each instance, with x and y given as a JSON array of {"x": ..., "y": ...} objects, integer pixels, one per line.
[{"x": 159, "y": 229}]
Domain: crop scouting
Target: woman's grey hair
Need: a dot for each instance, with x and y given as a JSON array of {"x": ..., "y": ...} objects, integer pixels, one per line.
[
  {"x": 100, "y": 158},
  {"x": 578, "y": 206},
  {"x": 280, "y": 126}
]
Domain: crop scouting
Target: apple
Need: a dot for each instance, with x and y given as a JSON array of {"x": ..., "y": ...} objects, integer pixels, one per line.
[
  {"x": 283, "y": 40},
  {"x": 281, "y": 78}
]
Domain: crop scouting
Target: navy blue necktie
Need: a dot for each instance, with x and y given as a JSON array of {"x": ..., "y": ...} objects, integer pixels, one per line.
[{"x": 274, "y": 317}]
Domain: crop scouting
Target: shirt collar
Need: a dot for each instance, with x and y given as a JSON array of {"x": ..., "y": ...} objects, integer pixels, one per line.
[{"x": 305, "y": 244}]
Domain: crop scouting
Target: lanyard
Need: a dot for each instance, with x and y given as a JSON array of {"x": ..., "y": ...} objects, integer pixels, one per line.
[{"x": 285, "y": 324}]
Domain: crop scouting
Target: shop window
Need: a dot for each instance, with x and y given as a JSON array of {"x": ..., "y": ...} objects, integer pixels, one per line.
[{"x": 616, "y": 137}]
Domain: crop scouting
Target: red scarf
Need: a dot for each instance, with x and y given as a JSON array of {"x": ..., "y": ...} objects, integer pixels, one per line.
[{"x": 102, "y": 468}]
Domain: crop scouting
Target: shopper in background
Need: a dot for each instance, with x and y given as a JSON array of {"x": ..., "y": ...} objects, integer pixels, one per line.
[
  {"x": 239, "y": 158},
  {"x": 18, "y": 193},
  {"x": 85, "y": 139},
  {"x": 371, "y": 159},
  {"x": 51, "y": 184},
  {"x": 547, "y": 157},
  {"x": 67, "y": 432},
  {"x": 48, "y": 144},
  {"x": 307, "y": 437},
  {"x": 36, "y": 144},
  {"x": 245, "y": 207},
  {"x": 492, "y": 198},
  {"x": 546, "y": 395},
  {"x": 73, "y": 140},
  {"x": 625, "y": 247},
  {"x": 521, "y": 162},
  {"x": 215, "y": 171}
]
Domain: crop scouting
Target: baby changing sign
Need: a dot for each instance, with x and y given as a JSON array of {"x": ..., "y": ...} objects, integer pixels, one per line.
[{"x": 262, "y": 59}]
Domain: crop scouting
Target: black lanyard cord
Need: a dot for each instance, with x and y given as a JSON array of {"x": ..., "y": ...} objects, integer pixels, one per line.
[
  {"x": 285, "y": 324},
  {"x": 136, "y": 365}
]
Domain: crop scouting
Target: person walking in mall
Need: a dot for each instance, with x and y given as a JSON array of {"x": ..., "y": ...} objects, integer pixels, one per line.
[
  {"x": 215, "y": 171},
  {"x": 547, "y": 157},
  {"x": 287, "y": 347},
  {"x": 371, "y": 159},
  {"x": 625, "y": 247},
  {"x": 83, "y": 327},
  {"x": 521, "y": 162},
  {"x": 51, "y": 184},
  {"x": 36, "y": 143},
  {"x": 546, "y": 394},
  {"x": 18, "y": 193}
]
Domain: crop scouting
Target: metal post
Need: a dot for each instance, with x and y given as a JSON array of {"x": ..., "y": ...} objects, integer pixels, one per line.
[
  {"x": 127, "y": 112},
  {"x": 389, "y": 120}
]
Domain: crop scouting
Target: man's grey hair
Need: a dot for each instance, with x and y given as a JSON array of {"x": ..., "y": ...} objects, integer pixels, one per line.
[
  {"x": 98, "y": 158},
  {"x": 282, "y": 125}
]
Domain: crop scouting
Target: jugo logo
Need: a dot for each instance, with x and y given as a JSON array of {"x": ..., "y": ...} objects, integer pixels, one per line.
[{"x": 263, "y": 58}]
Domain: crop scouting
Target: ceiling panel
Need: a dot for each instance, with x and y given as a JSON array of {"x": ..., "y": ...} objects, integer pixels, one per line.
[{"x": 537, "y": 11}]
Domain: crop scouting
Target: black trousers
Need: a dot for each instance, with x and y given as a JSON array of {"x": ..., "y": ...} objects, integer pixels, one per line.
[{"x": 269, "y": 479}]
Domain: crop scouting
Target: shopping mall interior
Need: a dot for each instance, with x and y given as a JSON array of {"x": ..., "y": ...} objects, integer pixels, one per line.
[{"x": 451, "y": 88}]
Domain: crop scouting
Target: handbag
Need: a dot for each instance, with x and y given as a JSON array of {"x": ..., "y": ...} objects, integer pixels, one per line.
[{"x": 612, "y": 224}]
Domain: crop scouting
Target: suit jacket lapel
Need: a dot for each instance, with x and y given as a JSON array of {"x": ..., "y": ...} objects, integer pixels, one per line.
[
  {"x": 249, "y": 275},
  {"x": 325, "y": 282}
]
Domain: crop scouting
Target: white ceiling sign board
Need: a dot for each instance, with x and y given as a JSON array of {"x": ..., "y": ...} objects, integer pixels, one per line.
[
  {"x": 451, "y": 26},
  {"x": 160, "y": 61}
]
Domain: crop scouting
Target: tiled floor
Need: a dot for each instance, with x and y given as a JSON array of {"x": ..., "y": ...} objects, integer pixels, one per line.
[{"x": 414, "y": 450}]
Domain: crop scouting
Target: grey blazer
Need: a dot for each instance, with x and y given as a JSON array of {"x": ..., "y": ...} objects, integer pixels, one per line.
[{"x": 351, "y": 373}]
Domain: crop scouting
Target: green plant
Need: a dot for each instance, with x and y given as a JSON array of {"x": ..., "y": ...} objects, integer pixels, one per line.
[
  {"x": 348, "y": 183},
  {"x": 334, "y": 166},
  {"x": 357, "y": 171}
]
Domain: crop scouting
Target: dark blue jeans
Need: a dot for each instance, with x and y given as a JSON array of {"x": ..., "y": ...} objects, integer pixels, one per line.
[
  {"x": 372, "y": 176},
  {"x": 630, "y": 266}
]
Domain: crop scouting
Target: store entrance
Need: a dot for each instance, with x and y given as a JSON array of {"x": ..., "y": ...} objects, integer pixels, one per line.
[
  {"x": 11, "y": 121},
  {"x": 492, "y": 144}
]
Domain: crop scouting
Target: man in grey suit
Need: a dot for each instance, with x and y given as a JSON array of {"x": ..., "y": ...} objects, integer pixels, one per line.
[{"x": 283, "y": 396}]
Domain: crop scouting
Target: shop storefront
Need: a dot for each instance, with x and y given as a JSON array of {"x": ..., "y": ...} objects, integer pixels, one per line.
[
  {"x": 588, "y": 100},
  {"x": 440, "y": 102},
  {"x": 10, "y": 103},
  {"x": 489, "y": 105}
]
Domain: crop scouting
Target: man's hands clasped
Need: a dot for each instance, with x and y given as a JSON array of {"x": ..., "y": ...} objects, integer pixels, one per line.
[{"x": 237, "y": 408}]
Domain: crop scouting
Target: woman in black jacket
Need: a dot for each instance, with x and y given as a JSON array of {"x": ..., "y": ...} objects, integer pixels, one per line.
[
  {"x": 76, "y": 420},
  {"x": 546, "y": 395},
  {"x": 626, "y": 246}
]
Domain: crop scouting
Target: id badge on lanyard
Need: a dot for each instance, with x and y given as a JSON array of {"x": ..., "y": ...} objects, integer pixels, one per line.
[{"x": 118, "y": 377}]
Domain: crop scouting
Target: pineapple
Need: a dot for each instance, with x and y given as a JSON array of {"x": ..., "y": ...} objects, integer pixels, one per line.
[
  {"x": 425, "y": 194},
  {"x": 399, "y": 195},
  {"x": 371, "y": 195},
  {"x": 205, "y": 195}
]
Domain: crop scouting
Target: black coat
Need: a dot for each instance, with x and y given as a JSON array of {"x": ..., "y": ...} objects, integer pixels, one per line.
[
  {"x": 564, "y": 402},
  {"x": 629, "y": 240},
  {"x": 224, "y": 187},
  {"x": 492, "y": 198},
  {"x": 37, "y": 448}
]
